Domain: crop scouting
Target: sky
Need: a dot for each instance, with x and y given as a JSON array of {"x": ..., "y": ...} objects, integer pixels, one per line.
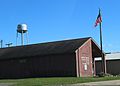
[{"x": 54, "y": 20}]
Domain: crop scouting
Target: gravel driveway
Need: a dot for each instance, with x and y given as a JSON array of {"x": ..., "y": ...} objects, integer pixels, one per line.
[{"x": 100, "y": 83}]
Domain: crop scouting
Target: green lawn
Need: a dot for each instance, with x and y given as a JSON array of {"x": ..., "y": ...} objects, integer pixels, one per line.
[{"x": 54, "y": 81}]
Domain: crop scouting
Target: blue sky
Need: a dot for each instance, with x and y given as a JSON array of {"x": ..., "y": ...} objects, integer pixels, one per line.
[{"x": 52, "y": 20}]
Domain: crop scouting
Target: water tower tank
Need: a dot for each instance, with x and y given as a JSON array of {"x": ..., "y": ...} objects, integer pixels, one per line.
[{"x": 22, "y": 28}]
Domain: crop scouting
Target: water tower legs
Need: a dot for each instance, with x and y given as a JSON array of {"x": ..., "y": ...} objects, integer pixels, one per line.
[{"x": 22, "y": 38}]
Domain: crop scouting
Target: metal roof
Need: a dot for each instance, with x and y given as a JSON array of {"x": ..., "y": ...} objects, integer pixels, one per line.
[
  {"x": 111, "y": 56},
  {"x": 58, "y": 47}
]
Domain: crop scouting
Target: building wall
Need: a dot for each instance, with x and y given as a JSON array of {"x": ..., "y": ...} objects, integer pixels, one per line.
[
  {"x": 84, "y": 60},
  {"x": 98, "y": 67},
  {"x": 111, "y": 65},
  {"x": 39, "y": 66}
]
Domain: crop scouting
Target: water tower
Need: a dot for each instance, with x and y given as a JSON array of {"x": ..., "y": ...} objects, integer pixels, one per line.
[{"x": 22, "y": 29}]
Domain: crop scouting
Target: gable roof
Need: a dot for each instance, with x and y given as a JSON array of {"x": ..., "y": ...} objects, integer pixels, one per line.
[{"x": 58, "y": 47}]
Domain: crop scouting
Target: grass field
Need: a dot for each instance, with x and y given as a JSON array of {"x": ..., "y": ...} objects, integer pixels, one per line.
[{"x": 54, "y": 81}]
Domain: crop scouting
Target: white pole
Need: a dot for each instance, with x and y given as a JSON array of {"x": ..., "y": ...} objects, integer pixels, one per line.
[
  {"x": 22, "y": 38},
  {"x": 27, "y": 37}
]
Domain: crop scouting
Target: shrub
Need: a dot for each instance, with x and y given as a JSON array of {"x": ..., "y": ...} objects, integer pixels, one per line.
[
  {"x": 108, "y": 75},
  {"x": 101, "y": 74}
]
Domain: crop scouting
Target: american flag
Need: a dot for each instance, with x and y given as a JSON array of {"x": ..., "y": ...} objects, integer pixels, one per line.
[{"x": 99, "y": 19}]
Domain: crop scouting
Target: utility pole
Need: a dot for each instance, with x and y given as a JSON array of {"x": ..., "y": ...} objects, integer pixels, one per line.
[
  {"x": 1, "y": 42},
  {"x": 9, "y": 44}
]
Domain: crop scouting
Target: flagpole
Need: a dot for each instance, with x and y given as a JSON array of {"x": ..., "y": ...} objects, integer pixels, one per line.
[
  {"x": 102, "y": 54},
  {"x": 101, "y": 46}
]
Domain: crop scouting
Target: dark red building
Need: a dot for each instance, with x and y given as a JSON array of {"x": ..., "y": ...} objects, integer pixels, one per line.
[{"x": 73, "y": 57}]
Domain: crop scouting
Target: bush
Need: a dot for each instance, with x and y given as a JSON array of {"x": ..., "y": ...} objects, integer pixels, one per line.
[
  {"x": 108, "y": 75},
  {"x": 101, "y": 74}
]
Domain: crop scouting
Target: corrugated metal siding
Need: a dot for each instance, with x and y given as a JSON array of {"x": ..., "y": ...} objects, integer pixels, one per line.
[
  {"x": 111, "y": 65},
  {"x": 51, "y": 65}
]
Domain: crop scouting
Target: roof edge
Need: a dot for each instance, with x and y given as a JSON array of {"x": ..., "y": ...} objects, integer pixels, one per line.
[
  {"x": 46, "y": 42},
  {"x": 97, "y": 45}
]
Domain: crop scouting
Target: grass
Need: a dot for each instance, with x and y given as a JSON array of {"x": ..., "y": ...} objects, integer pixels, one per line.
[{"x": 55, "y": 81}]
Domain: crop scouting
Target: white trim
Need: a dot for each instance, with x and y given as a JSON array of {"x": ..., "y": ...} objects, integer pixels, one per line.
[{"x": 83, "y": 44}]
